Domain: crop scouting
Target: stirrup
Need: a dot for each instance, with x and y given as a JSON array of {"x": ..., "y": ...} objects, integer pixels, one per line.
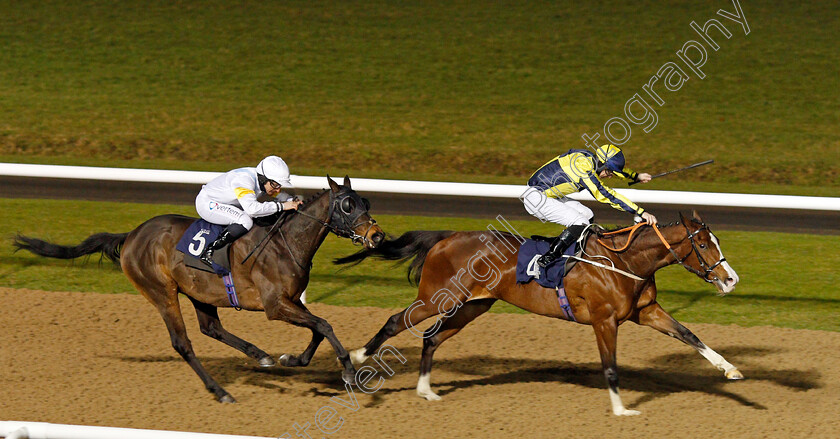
[
  {"x": 207, "y": 258},
  {"x": 546, "y": 260}
]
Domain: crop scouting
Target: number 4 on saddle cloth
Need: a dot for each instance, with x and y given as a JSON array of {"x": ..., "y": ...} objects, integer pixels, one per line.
[
  {"x": 551, "y": 276},
  {"x": 199, "y": 235}
]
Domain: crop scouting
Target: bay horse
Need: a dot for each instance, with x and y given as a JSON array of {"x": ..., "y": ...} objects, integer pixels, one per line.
[
  {"x": 271, "y": 281},
  {"x": 459, "y": 279}
]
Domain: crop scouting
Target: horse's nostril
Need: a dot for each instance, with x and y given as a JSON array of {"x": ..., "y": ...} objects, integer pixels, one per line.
[{"x": 729, "y": 281}]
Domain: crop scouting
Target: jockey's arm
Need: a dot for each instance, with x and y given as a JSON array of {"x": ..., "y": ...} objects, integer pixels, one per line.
[
  {"x": 630, "y": 175},
  {"x": 606, "y": 195},
  {"x": 254, "y": 208}
]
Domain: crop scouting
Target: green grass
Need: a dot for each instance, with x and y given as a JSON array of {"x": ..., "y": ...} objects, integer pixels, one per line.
[
  {"x": 455, "y": 90},
  {"x": 786, "y": 280}
]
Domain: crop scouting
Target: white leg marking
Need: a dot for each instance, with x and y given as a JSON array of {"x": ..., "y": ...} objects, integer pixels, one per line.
[
  {"x": 303, "y": 297},
  {"x": 424, "y": 388},
  {"x": 618, "y": 406},
  {"x": 718, "y": 361},
  {"x": 358, "y": 356}
]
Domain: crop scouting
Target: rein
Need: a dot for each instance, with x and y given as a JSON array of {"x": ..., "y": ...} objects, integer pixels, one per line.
[
  {"x": 346, "y": 230},
  {"x": 707, "y": 269},
  {"x": 274, "y": 228},
  {"x": 629, "y": 238}
]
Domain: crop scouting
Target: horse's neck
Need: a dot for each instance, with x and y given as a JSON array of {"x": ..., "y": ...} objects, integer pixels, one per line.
[
  {"x": 647, "y": 253},
  {"x": 303, "y": 234}
]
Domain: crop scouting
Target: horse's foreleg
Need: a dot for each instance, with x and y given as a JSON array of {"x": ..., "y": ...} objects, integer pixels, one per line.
[
  {"x": 654, "y": 316},
  {"x": 437, "y": 334},
  {"x": 304, "y": 358},
  {"x": 211, "y": 326},
  {"x": 286, "y": 310},
  {"x": 171, "y": 312},
  {"x": 399, "y": 322},
  {"x": 606, "y": 334}
]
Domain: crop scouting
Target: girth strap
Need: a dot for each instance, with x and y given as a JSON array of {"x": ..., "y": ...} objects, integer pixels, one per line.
[
  {"x": 565, "y": 305},
  {"x": 231, "y": 291}
]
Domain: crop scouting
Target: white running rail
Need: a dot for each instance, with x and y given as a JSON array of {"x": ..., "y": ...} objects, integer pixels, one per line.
[
  {"x": 427, "y": 187},
  {"x": 44, "y": 430}
]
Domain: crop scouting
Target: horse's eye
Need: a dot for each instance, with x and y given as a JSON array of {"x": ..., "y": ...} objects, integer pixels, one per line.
[
  {"x": 702, "y": 245},
  {"x": 347, "y": 205}
]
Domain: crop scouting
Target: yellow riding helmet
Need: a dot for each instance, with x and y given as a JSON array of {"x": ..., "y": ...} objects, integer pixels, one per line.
[{"x": 610, "y": 157}]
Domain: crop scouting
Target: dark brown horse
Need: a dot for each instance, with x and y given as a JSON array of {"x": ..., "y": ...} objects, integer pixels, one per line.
[
  {"x": 461, "y": 275},
  {"x": 272, "y": 280}
]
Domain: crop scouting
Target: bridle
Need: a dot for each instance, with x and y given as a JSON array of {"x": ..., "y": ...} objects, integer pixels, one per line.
[
  {"x": 348, "y": 220},
  {"x": 347, "y": 209},
  {"x": 704, "y": 266}
]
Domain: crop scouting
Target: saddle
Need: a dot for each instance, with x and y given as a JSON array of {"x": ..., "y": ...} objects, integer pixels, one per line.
[{"x": 198, "y": 235}]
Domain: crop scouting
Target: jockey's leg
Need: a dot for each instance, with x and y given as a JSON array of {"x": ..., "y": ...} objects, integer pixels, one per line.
[
  {"x": 228, "y": 236},
  {"x": 654, "y": 316},
  {"x": 237, "y": 221},
  {"x": 565, "y": 211},
  {"x": 560, "y": 244}
]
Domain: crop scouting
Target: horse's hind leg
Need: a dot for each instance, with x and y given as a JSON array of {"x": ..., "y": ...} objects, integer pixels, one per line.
[
  {"x": 406, "y": 319},
  {"x": 211, "y": 326},
  {"x": 654, "y": 316},
  {"x": 171, "y": 312},
  {"x": 438, "y": 333}
]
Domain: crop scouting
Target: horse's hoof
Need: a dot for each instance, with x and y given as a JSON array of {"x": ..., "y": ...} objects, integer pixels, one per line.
[
  {"x": 734, "y": 374},
  {"x": 227, "y": 399},
  {"x": 287, "y": 360},
  {"x": 349, "y": 377},
  {"x": 430, "y": 396},
  {"x": 629, "y": 413},
  {"x": 267, "y": 362}
]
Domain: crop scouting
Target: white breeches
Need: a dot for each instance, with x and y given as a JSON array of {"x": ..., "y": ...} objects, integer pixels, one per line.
[
  {"x": 224, "y": 214},
  {"x": 565, "y": 211}
]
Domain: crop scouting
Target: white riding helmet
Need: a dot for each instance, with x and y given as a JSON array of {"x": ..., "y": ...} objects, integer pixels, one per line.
[{"x": 274, "y": 168}]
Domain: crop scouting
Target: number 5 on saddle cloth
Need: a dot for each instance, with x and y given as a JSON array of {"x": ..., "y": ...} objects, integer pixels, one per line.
[{"x": 199, "y": 235}]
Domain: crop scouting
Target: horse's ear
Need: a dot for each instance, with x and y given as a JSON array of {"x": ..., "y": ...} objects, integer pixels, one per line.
[
  {"x": 333, "y": 185},
  {"x": 347, "y": 181},
  {"x": 696, "y": 216}
]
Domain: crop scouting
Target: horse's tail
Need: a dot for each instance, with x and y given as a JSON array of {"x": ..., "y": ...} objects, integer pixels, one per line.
[
  {"x": 415, "y": 244},
  {"x": 109, "y": 244}
]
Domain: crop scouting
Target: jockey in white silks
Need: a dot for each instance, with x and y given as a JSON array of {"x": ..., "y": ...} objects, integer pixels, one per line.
[{"x": 231, "y": 199}]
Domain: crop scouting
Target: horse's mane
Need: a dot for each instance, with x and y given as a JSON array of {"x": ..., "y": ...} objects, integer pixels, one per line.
[{"x": 316, "y": 195}]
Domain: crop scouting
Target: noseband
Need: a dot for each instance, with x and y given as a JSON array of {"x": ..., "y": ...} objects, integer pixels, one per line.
[
  {"x": 345, "y": 217},
  {"x": 704, "y": 266}
]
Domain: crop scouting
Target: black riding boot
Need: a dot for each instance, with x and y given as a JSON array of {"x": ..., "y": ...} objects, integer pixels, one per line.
[
  {"x": 560, "y": 244},
  {"x": 229, "y": 235}
]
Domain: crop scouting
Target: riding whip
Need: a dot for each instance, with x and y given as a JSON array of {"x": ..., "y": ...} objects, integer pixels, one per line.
[
  {"x": 280, "y": 219},
  {"x": 676, "y": 170}
]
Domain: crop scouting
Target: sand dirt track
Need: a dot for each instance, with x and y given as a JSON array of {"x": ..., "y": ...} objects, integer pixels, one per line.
[{"x": 85, "y": 358}]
